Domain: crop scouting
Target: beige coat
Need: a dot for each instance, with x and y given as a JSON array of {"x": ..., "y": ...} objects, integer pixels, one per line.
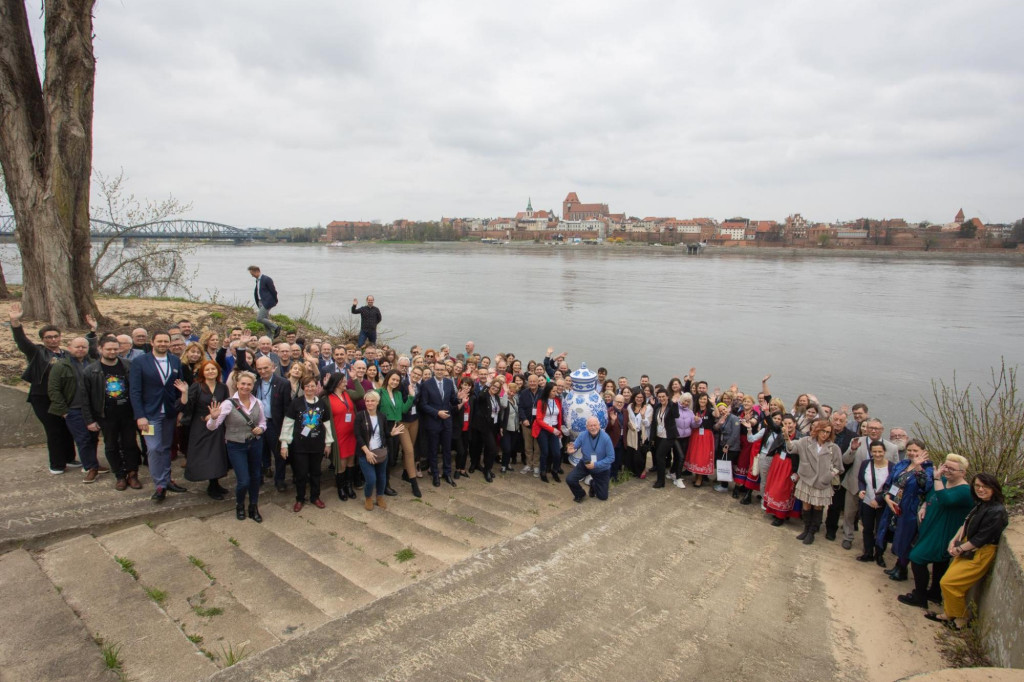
[{"x": 816, "y": 470}]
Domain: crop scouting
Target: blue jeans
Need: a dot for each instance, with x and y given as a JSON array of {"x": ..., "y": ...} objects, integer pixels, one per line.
[
  {"x": 159, "y": 447},
  {"x": 245, "y": 460},
  {"x": 85, "y": 439},
  {"x": 598, "y": 483},
  {"x": 550, "y": 451},
  {"x": 375, "y": 476},
  {"x": 367, "y": 335}
]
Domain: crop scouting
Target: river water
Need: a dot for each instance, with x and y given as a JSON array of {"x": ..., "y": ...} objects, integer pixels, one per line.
[{"x": 847, "y": 329}]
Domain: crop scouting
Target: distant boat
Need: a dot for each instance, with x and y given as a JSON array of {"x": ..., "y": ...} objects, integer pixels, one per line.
[{"x": 336, "y": 244}]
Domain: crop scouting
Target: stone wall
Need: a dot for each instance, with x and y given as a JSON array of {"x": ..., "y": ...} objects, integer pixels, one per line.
[
  {"x": 18, "y": 424},
  {"x": 1001, "y": 601}
]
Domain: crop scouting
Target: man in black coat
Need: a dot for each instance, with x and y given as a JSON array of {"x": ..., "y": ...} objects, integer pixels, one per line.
[
  {"x": 370, "y": 317},
  {"x": 274, "y": 392},
  {"x": 266, "y": 298}
]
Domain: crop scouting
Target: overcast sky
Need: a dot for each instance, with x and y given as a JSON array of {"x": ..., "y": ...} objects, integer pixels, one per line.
[{"x": 297, "y": 113}]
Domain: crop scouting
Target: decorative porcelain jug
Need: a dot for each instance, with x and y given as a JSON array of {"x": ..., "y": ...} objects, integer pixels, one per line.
[{"x": 583, "y": 401}]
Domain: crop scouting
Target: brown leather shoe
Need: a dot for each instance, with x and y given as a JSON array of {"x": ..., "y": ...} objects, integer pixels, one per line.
[
  {"x": 381, "y": 503},
  {"x": 368, "y": 504},
  {"x": 133, "y": 480},
  {"x": 121, "y": 484},
  {"x": 297, "y": 507},
  {"x": 318, "y": 503},
  {"x": 90, "y": 476}
]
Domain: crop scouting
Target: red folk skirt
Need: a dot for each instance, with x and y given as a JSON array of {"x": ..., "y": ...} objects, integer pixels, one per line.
[
  {"x": 700, "y": 455},
  {"x": 742, "y": 474},
  {"x": 778, "y": 489}
]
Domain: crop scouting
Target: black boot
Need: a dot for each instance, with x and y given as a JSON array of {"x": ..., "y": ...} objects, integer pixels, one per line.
[
  {"x": 812, "y": 527},
  {"x": 339, "y": 483},
  {"x": 807, "y": 524},
  {"x": 415, "y": 488},
  {"x": 879, "y": 557},
  {"x": 746, "y": 496},
  {"x": 350, "y": 480},
  {"x": 735, "y": 492},
  {"x": 899, "y": 574},
  {"x": 254, "y": 513},
  {"x": 388, "y": 490},
  {"x": 240, "y": 511}
]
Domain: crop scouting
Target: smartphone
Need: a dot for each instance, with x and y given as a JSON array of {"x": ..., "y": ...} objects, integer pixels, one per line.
[{"x": 149, "y": 430}]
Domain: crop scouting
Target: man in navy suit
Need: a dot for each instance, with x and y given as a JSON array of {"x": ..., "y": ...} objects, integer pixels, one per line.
[
  {"x": 155, "y": 387},
  {"x": 438, "y": 402},
  {"x": 266, "y": 298},
  {"x": 274, "y": 393}
]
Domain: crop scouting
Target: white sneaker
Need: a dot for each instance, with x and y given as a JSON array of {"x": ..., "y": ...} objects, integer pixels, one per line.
[
  {"x": 536, "y": 472},
  {"x": 587, "y": 480},
  {"x": 56, "y": 472},
  {"x": 527, "y": 470},
  {"x": 671, "y": 477},
  {"x": 679, "y": 483},
  {"x": 721, "y": 488}
]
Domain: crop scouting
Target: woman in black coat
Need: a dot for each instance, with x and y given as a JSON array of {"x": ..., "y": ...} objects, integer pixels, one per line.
[
  {"x": 207, "y": 453},
  {"x": 486, "y": 418},
  {"x": 664, "y": 433}
]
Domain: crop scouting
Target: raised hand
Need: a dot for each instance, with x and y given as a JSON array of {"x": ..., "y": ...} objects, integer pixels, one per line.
[
  {"x": 355, "y": 301},
  {"x": 15, "y": 312},
  {"x": 693, "y": 373},
  {"x": 181, "y": 386},
  {"x": 214, "y": 410},
  {"x": 91, "y": 321},
  {"x": 765, "y": 378}
]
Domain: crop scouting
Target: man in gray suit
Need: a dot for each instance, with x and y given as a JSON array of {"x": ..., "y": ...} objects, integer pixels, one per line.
[{"x": 852, "y": 459}]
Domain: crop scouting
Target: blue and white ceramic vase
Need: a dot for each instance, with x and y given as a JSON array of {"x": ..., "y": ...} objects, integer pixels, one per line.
[{"x": 583, "y": 401}]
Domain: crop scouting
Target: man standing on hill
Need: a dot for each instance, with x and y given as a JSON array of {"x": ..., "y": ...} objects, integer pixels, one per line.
[
  {"x": 371, "y": 317},
  {"x": 266, "y": 298}
]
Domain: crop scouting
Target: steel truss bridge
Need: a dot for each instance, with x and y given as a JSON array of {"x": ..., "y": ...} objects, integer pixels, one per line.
[{"x": 161, "y": 229}]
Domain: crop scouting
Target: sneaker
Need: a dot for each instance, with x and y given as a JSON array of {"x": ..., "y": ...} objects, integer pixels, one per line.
[
  {"x": 587, "y": 480},
  {"x": 719, "y": 488},
  {"x": 671, "y": 477},
  {"x": 679, "y": 483},
  {"x": 56, "y": 472},
  {"x": 102, "y": 470},
  {"x": 76, "y": 464},
  {"x": 536, "y": 472},
  {"x": 527, "y": 470},
  {"x": 90, "y": 475}
]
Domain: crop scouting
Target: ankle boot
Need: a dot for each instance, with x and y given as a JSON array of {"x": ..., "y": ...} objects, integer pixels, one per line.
[
  {"x": 899, "y": 574},
  {"x": 350, "y": 478},
  {"x": 746, "y": 496},
  {"x": 339, "y": 482},
  {"x": 879, "y": 557},
  {"x": 254, "y": 513},
  {"x": 240, "y": 512},
  {"x": 735, "y": 491},
  {"x": 807, "y": 525},
  {"x": 415, "y": 488},
  {"x": 814, "y": 525}
]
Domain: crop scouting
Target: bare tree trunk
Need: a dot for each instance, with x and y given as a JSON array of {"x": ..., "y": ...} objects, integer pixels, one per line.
[
  {"x": 46, "y": 153},
  {"x": 5, "y": 293}
]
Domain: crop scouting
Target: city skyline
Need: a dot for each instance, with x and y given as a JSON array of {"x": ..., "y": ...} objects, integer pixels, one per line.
[{"x": 263, "y": 116}]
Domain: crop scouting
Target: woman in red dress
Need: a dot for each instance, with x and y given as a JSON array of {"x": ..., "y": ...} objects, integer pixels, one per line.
[
  {"x": 743, "y": 476},
  {"x": 778, "y": 489},
  {"x": 700, "y": 454},
  {"x": 343, "y": 453}
]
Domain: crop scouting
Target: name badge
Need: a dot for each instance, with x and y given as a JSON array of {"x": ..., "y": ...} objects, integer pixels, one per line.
[
  {"x": 700, "y": 431},
  {"x": 412, "y": 411},
  {"x": 348, "y": 418},
  {"x": 305, "y": 432},
  {"x": 894, "y": 490},
  {"x": 533, "y": 412},
  {"x": 465, "y": 418}
]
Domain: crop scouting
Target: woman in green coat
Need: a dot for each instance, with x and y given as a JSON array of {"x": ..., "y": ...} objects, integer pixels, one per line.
[
  {"x": 394, "y": 405},
  {"x": 942, "y": 514}
]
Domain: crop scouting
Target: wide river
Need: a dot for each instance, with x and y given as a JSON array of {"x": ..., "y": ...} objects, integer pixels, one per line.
[{"x": 847, "y": 329}]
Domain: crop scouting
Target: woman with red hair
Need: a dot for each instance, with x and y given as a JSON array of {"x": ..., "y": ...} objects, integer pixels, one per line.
[
  {"x": 207, "y": 452},
  {"x": 820, "y": 462}
]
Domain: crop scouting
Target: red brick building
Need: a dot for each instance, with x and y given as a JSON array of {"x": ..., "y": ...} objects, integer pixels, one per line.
[{"x": 573, "y": 209}]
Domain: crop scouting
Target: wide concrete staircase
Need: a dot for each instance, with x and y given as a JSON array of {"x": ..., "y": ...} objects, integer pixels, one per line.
[{"x": 185, "y": 599}]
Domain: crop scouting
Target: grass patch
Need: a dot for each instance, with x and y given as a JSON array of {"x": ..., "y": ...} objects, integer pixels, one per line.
[
  {"x": 232, "y": 656},
  {"x": 468, "y": 519},
  {"x": 333, "y": 533},
  {"x": 217, "y": 315},
  {"x": 201, "y": 565},
  {"x": 59, "y": 589},
  {"x": 403, "y": 555},
  {"x": 195, "y": 639},
  {"x": 623, "y": 476},
  {"x": 150, "y": 524},
  {"x": 382, "y": 562},
  {"x": 535, "y": 512},
  {"x": 255, "y": 327},
  {"x": 963, "y": 648},
  {"x": 111, "y": 655},
  {"x": 128, "y": 566},
  {"x": 157, "y": 595},
  {"x": 233, "y": 541},
  {"x": 204, "y": 612}
]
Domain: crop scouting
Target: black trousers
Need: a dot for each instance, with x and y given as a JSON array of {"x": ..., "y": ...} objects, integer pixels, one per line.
[
  {"x": 869, "y": 518},
  {"x": 679, "y": 455},
  {"x": 272, "y": 452},
  {"x": 486, "y": 442},
  {"x": 834, "y": 517},
  {"x": 662, "y": 451},
  {"x": 440, "y": 438},
  {"x": 120, "y": 445},
  {"x": 306, "y": 466},
  {"x": 922, "y": 590},
  {"x": 59, "y": 443},
  {"x": 460, "y": 441},
  {"x": 636, "y": 459}
]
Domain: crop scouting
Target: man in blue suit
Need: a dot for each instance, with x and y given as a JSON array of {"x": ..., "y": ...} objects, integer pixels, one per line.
[
  {"x": 438, "y": 402},
  {"x": 266, "y": 298},
  {"x": 155, "y": 388}
]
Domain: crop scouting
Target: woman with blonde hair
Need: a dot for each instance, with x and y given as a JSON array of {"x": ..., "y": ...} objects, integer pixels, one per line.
[
  {"x": 942, "y": 513},
  {"x": 210, "y": 343},
  {"x": 820, "y": 462}
]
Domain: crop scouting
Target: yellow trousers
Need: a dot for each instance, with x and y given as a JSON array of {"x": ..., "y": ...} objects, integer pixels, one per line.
[{"x": 961, "y": 576}]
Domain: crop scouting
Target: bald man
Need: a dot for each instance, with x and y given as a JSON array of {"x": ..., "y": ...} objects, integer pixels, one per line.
[
  {"x": 597, "y": 454},
  {"x": 66, "y": 389},
  {"x": 140, "y": 340}
]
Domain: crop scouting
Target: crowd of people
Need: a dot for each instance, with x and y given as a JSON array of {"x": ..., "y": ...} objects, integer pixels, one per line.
[{"x": 259, "y": 405}]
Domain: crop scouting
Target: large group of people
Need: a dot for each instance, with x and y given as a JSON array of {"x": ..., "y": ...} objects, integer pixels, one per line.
[{"x": 259, "y": 405}]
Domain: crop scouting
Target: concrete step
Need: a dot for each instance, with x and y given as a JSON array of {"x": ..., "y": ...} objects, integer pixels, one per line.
[
  {"x": 463, "y": 529},
  {"x": 477, "y": 510},
  {"x": 280, "y": 608},
  {"x": 509, "y": 505},
  {"x": 381, "y": 547},
  {"x": 409, "y": 533},
  {"x": 116, "y": 609},
  {"x": 43, "y": 638},
  {"x": 331, "y": 592},
  {"x": 326, "y": 547},
  {"x": 193, "y": 600}
]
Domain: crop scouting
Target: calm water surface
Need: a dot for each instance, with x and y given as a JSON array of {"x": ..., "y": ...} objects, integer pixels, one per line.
[{"x": 848, "y": 329}]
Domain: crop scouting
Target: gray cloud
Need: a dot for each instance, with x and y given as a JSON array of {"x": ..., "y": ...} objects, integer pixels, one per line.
[{"x": 296, "y": 113}]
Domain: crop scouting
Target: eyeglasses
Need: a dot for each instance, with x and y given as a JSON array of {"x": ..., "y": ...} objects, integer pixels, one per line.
[{"x": 51, "y": 337}]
